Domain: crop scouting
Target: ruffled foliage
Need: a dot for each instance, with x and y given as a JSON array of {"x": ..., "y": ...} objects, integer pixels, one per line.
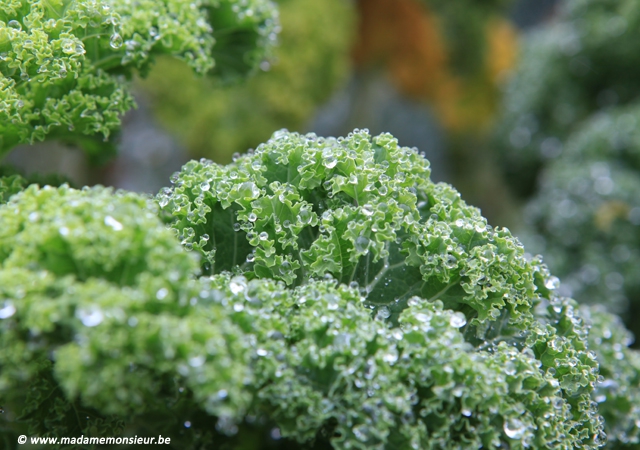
[
  {"x": 105, "y": 324},
  {"x": 217, "y": 119},
  {"x": 64, "y": 64},
  {"x": 13, "y": 181},
  {"x": 618, "y": 393},
  {"x": 363, "y": 211},
  {"x": 586, "y": 217},
  {"x": 585, "y": 60}
]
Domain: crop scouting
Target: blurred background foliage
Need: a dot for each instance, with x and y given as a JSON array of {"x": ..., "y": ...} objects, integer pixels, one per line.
[
  {"x": 569, "y": 148},
  {"x": 215, "y": 119}
]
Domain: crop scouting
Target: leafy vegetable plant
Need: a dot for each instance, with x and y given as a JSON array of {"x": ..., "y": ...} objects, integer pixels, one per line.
[
  {"x": 65, "y": 64},
  {"x": 341, "y": 300},
  {"x": 315, "y": 293}
]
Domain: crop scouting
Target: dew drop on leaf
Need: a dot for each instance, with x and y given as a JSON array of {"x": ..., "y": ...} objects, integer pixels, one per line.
[
  {"x": 15, "y": 25},
  {"x": 383, "y": 313},
  {"x": 113, "y": 223},
  {"x": 7, "y": 310},
  {"x": 458, "y": 320},
  {"x": 90, "y": 317},
  {"x": 238, "y": 285},
  {"x": 552, "y": 283},
  {"x": 514, "y": 428},
  {"x": 304, "y": 216},
  {"x": 367, "y": 210},
  {"x": 196, "y": 361},
  {"x": 116, "y": 41},
  {"x": 362, "y": 244},
  {"x": 421, "y": 317}
]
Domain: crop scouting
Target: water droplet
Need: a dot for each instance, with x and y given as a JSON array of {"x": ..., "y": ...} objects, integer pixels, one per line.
[
  {"x": 236, "y": 226},
  {"x": 90, "y": 317},
  {"x": 116, "y": 41},
  {"x": 238, "y": 285},
  {"x": 466, "y": 412},
  {"x": 390, "y": 357},
  {"x": 15, "y": 25},
  {"x": 305, "y": 216},
  {"x": 113, "y": 223},
  {"x": 7, "y": 310},
  {"x": 251, "y": 257},
  {"x": 196, "y": 361},
  {"x": 205, "y": 186},
  {"x": 249, "y": 189},
  {"x": 332, "y": 302},
  {"x": 421, "y": 317},
  {"x": 367, "y": 210},
  {"x": 329, "y": 161},
  {"x": 457, "y": 320},
  {"x": 552, "y": 283},
  {"x": 514, "y": 428},
  {"x": 262, "y": 352},
  {"x": 263, "y": 236},
  {"x": 252, "y": 217},
  {"x": 187, "y": 424},
  {"x": 383, "y": 313},
  {"x": 362, "y": 244},
  {"x": 162, "y": 293}
]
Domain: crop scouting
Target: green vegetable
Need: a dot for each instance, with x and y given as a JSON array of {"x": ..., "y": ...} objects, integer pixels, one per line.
[
  {"x": 65, "y": 64},
  {"x": 12, "y": 181},
  {"x": 587, "y": 212},
  {"x": 585, "y": 60},
  {"x": 362, "y": 210},
  {"x": 618, "y": 392},
  {"x": 450, "y": 338}
]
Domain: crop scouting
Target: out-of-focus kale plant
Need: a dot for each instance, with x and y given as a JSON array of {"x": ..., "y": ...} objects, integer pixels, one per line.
[
  {"x": 65, "y": 64},
  {"x": 571, "y": 148}
]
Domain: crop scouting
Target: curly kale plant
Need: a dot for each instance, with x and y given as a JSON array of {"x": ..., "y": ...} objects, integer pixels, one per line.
[
  {"x": 618, "y": 393},
  {"x": 349, "y": 303},
  {"x": 499, "y": 358},
  {"x": 64, "y": 64},
  {"x": 585, "y": 60},
  {"x": 586, "y": 216}
]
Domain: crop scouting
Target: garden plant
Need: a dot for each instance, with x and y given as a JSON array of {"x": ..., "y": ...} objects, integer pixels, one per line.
[
  {"x": 571, "y": 149},
  {"x": 314, "y": 293}
]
